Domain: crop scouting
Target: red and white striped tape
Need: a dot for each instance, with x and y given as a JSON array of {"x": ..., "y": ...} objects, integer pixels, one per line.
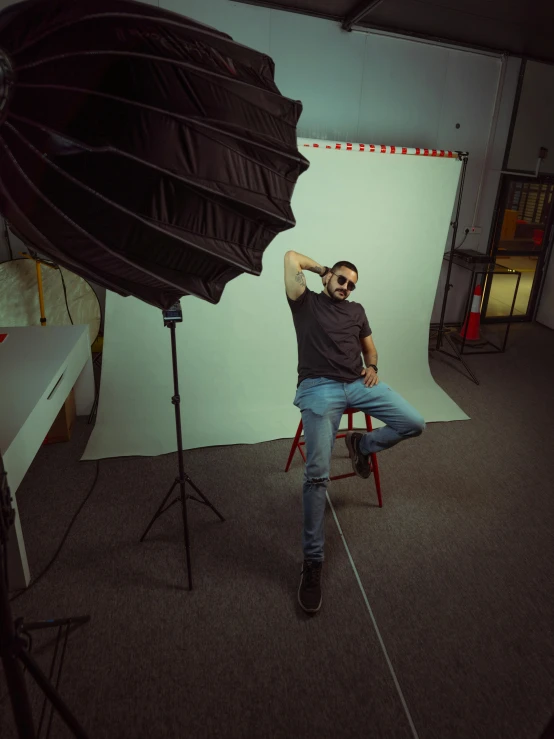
[{"x": 380, "y": 149}]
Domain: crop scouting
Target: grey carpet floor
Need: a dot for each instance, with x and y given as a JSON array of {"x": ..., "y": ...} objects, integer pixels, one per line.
[{"x": 438, "y": 613}]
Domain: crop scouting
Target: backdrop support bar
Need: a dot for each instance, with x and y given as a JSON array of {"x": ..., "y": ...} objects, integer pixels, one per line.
[
  {"x": 359, "y": 12},
  {"x": 441, "y": 331}
]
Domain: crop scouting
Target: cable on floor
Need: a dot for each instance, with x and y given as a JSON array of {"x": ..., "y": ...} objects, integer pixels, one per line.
[{"x": 64, "y": 538}]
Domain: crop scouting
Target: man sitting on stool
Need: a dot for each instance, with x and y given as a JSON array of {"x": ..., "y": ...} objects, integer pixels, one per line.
[{"x": 332, "y": 333}]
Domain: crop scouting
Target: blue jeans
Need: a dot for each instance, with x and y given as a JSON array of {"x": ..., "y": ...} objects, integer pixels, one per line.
[{"x": 322, "y": 403}]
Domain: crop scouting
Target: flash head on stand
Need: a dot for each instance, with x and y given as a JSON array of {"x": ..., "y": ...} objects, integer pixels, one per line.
[{"x": 173, "y": 314}]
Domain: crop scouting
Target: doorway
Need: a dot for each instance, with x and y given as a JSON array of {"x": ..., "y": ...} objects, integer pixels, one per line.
[{"x": 519, "y": 243}]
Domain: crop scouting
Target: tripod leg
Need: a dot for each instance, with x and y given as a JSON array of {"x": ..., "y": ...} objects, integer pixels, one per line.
[
  {"x": 204, "y": 499},
  {"x": 15, "y": 679},
  {"x": 186, "y": 530},
  {"x": 459, "y": 356},
  {"x": 11, "y": 643},
  {"x": 53, "y": 623},
  {"x": 59, "y": 623},
  {"x": 57, "y": 683},
  {"x": 59, "y": 675},
  {"x": 159, "y": 511},
  {"x": 52, "y": 694}
]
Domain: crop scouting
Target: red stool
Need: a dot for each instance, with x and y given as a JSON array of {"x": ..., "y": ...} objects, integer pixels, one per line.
[{"x": 297, "y": 444}]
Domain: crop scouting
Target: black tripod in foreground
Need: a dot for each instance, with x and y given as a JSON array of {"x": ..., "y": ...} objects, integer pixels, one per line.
[
  {"x": 16, "y": 641},
  {"x": 171, "y": 317}
]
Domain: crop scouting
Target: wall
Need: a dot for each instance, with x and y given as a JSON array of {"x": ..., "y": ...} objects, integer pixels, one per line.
[
  {"x": 534, "y": 126},
  {"x": 375, "y": 88}
]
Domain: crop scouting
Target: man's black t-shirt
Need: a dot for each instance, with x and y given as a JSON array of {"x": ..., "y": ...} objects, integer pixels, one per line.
[{"x": 328, "y": 334}]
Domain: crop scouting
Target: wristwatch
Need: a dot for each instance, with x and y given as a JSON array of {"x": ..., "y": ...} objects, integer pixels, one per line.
[
  {"x": 374, "y": 367},
  {"x": 326, "y": 270}
]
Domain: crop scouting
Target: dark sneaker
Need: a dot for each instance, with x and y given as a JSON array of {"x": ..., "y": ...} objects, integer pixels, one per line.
[
  {"x": 361, "y": 463},
  {"x": 309, "y": 592}
]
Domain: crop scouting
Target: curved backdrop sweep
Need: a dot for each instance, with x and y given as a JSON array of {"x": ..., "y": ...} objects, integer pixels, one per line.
[{"x": 388, "y": 214}]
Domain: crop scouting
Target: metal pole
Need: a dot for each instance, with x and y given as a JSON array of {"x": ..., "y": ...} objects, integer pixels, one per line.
[
  {"x": 176, "y": 400},
  {"x": 40, "y": 293},
  {"x": 15, "y": 680},
  {"x": 452, "y": 246}
]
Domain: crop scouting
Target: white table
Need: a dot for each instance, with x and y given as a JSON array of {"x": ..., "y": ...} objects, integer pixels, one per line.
[{"x": 38, "y": 368}]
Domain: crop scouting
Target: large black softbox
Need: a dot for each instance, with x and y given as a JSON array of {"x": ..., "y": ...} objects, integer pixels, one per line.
[{"x": 141, "y": 149}]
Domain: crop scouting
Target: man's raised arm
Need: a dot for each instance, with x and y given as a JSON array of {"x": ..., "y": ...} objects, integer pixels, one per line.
[{"x": 295, "y": 282}]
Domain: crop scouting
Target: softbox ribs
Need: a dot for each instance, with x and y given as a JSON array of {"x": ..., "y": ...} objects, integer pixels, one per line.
[{"x": 163, "y": 158}]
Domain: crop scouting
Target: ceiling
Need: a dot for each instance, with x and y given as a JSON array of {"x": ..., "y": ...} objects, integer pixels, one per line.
[{"x": 519, "y": 27}]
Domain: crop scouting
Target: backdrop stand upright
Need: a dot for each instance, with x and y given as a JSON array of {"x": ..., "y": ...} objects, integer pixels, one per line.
[
  {"x": 441, "y": 331},
  {"x": 171, "y": 317}
]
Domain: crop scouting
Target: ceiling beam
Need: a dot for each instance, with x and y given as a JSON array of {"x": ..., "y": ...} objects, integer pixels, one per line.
[
  {"x": 275, "y": 5},
  {"x": 358, "y": 12},
  {"x": 399, "y": 31}
]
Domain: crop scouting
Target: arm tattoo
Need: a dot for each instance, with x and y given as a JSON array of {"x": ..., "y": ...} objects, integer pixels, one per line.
[{"x": 300, "y": 279}]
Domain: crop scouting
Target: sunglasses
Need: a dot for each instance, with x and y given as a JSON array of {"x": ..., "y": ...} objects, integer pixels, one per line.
[{"x": 341, "y": 279}]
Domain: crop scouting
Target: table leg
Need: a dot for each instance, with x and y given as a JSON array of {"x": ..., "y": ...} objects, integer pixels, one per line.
[
  {"x": 18, "y": 567},
  {"x": 84, "y": 389}
]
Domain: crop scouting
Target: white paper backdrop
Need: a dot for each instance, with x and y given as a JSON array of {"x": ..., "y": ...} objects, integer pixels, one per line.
[{"x": 388, "y": 214}]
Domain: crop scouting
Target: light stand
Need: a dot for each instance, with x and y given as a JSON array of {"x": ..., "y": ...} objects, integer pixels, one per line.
[
  {"x": 171, "y": 317},
  {"x": 15, "y": 640},
  {"x": 441, "y": 331}
]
